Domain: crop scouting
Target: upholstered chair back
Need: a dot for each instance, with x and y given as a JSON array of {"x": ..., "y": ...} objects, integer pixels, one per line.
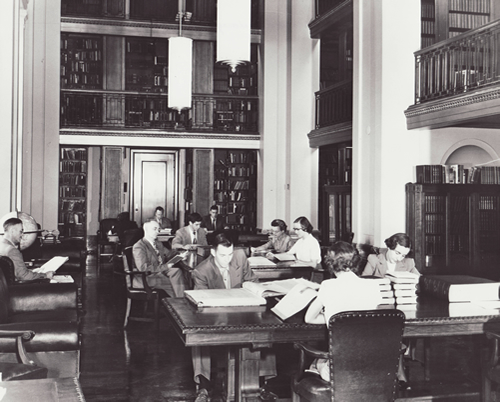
[{"x": 4, "y": 293}]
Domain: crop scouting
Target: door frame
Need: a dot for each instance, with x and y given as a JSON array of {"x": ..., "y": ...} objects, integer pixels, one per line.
[{"x": 175, "y": 153}]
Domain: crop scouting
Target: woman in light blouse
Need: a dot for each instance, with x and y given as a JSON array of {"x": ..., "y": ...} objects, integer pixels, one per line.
[{"x": 306, "y": 249}]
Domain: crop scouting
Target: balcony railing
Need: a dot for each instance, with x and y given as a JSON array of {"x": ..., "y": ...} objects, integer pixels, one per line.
[
  {"x": 81, "y": 108},
  {"x": 334, "y": 104},
  {"x": 467, "y": 62}
]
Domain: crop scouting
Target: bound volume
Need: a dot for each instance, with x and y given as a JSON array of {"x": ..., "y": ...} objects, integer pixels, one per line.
[
  {"x": 459, "y": 288},
  {"x": 223, "y": 298}
]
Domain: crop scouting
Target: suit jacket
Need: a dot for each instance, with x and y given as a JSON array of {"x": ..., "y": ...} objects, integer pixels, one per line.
[
  {"x": 207, "y": 276},
  {"x": 22, "y": 273},
  {"x": 164, "y": 223},
  {"x": 183, "y": 237},
  {"x": 207, "y": 223},
  {"x": 377, "y": 265},
  {"x": 145, "y": 259}
]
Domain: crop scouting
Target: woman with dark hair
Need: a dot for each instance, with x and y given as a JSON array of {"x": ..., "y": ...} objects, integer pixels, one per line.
[
  {"x": 279, "y": 240},
  {"x": 346, "y": 292},
  {"x": 393, "y": 258},
  {"x": 307, "y": 248}
]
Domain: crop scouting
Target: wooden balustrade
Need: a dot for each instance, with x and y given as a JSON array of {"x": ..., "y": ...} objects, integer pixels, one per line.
[
  {"x": 334, "y": 104},
  {"x": 460, "y": 64}
]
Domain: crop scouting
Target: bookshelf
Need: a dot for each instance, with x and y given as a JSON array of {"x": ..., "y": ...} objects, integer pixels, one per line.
[
  {"x": 236, "y": 115},
  {"x": 428, "y": 21},
  {"x": 81, "y": 61},
  {"x": 454, "y": 228},
  {"x": 72, "y": 215},
  {"x": 146, "y": 65},
  {"x": 235, "y": 184}
]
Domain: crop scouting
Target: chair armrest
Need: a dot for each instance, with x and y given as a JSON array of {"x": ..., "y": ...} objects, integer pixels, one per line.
[
  {"x": 20, "y": 336},
  {"x": 310, "y": 351},
  {"x": 43, "y": 296},
  {"x": 143, "y": 274}
]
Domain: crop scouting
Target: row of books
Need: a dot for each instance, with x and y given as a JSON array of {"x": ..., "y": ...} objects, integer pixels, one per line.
[
  {"x": 467, "y": 21},
  {"x": 470, "y": 6},
  {"x": 74, "y": 153},
  {"x": 457, "y": 174},
  {"x": 69, "y": 166},
  {"x": 399, "y": 288}
]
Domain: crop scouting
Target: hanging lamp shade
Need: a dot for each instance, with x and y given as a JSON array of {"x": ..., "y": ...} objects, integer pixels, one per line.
[
  {"x": 233, "y": 32},
  {"x": 180, "y": 65}
]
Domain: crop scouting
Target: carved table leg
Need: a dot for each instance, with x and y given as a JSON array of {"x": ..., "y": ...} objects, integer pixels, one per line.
[{"x": 247, "y": 375}]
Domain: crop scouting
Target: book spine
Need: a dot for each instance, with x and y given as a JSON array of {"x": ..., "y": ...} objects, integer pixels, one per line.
[{"x": 435, "y": 287}]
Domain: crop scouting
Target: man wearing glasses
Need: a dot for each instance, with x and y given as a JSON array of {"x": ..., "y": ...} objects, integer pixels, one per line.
[{"x": 393, "y": 258}]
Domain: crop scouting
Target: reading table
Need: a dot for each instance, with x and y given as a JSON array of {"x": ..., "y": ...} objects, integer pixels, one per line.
[{"x": 248, "y": 331}]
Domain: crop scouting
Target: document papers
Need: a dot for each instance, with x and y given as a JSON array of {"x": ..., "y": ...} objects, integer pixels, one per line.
[
  {"x": 296, "y": 299},
  {"x": 276, "y": 288},
  {"x": 62, "y": 279},
  {"x": 223, "y": 298},
  {"x": 52, "y": 265},
  {"x": 260, "y": 261}
]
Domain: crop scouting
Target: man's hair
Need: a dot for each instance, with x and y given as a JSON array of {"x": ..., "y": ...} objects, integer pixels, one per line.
[
  {"x": 221, "y": 240},
  {"x": 280, "y": 223},
  {"x": 194, "y": 217},
  {"x": 11, "y": 222},
  {"x": 159, "y": 209},
  {"x": 147, "y": 223},
  {"x": 214, "y": 208}
]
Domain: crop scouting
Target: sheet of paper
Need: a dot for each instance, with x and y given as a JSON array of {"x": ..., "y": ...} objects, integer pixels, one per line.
[
  {"x": 62, "y": 279},
  {"x": 52, "y": 265},
  {"x": 259, "y": 261}
]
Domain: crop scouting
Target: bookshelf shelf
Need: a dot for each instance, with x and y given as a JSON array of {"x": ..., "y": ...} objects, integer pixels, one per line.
[
  {"x": 454, "y": 228},
  {"x": 72, "y": 215},
  {"x": 235, "y": 178}
]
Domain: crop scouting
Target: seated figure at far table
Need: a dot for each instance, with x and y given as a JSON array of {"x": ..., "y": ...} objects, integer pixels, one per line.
[
  {"x": 9, "y": 247},
  {"x": 306, "y": 249},
  {"x": 150, "y": 255},
  {"x": 393, "y": 258},
  {"x": 190, "y": 234},
  {"x": 279, "y": 240},
  {"x": 163, "y": 221},
  {"x": 213, "y": 222}
]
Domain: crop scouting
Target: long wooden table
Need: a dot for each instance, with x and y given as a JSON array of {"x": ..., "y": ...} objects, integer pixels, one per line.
[
  {"x": 249, "y": 331},
  {"x": 46, "y": 390}
]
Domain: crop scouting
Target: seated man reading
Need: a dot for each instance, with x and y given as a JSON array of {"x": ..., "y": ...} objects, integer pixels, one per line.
[
  {"x": 9, "y": 247},
  {"x": 150, "y": 255},
  {"x": 190, "y": 234}
]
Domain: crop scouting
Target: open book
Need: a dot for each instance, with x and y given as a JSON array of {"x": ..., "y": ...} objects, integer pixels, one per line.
[
  {"x": 52, "y": 265},
  {"x": 284, "y": 257},
  {"x": 277, "y": 288},
  {"x": 260, "y": 261},
  {"x": 202, "y": 298},
  {"x": 296, "y": 299}
]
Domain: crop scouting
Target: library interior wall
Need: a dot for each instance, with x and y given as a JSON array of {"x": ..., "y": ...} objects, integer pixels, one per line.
[{"x": 385, "y": 152}]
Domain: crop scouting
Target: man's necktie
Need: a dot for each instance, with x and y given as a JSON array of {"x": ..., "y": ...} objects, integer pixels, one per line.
[
  {"x": 158, "y": 255},
  {"x": 194, "y": 238},
  {"x": 213, "y": 223}
]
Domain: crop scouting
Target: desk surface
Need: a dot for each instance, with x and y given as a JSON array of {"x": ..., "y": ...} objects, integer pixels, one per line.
[
  {"x": 431, "y": 318},
  {"x": 50, "y": 389}
]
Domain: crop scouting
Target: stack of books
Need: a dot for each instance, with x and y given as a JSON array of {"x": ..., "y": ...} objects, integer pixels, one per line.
[
  {"x": 404, "y": 286},
  {"x": 385, "y": 288}
]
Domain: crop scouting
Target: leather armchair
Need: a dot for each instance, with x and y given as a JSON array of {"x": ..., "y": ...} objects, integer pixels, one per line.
[
  {"x": 363, "y": 355},
  {"x": 50, "y": 310}
]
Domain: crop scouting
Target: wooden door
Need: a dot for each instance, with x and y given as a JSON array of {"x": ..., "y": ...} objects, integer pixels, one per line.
[{"x": 155, "y": 183}]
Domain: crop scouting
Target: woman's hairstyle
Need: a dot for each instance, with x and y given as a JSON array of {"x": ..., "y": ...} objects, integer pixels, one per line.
[
  {"x": 341, "y": 256},
  {"x": 280, "y": 223},
  {"x": 399, "y": 238},
  {"x": 304, "y": 223}
]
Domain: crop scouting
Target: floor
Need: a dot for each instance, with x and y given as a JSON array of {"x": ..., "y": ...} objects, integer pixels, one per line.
[{"x": 142, "y": 364}]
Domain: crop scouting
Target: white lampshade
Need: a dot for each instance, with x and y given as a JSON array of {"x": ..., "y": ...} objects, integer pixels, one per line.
[
  {"x": 233, "y": 32},
  {"x": 180, "y": 66}
]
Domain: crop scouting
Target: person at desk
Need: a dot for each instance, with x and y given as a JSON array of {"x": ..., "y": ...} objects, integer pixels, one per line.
[
  {"x": 226, "y": 268},
  {"x": 345, "y": 292},
  {"x": 9, "y": 247},
  {"x": 279, "y": 240},
  {"x": 392, "y": 258},
  {"x": 159, "y": 217},
  {"x": 307, "y": 248},
  {"x": 190, "y": 234},
  {"x": 150, "y": 255},
  {"x": 213, "y": 222}
]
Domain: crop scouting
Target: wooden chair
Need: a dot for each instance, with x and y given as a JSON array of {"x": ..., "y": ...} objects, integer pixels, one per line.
[
  {"x": 491, "y": 368},
  {"x": 25, "y": 369},
  {"x": 144, "y": 294},
  {"x": 363, "y": 354},
  {"x": 105, "y": 225}
]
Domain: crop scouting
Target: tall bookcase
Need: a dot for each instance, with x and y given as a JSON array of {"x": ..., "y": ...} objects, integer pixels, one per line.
[
  {"x": 455, "y": 228},
  {"x": 235, "y": 187},
  {"x": 72, "y": 192}
]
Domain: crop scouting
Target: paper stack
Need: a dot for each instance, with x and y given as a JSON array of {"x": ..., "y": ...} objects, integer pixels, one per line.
[{"x": 404, "y": 285}]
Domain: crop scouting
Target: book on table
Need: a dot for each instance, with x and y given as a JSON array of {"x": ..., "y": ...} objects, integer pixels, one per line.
[
  {"x": 401, "y": 277},
  {"x": 277, "y": 288},
  {"x": 52, "y": 265},
  {"x": 284, "y": 257},
  {"x": 203, "y": 298},
  {"x": 260, "y": 261},
  {"x": 459, "y": 288},
  {"x": 62, "y": 279}
]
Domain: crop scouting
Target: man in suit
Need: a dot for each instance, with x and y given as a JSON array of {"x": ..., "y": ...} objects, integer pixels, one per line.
[
  {"x": 159, "y": 217},
  {"x": 213, "y": 222},
  {"x": 190, "y": 234},
  {"x": 150, "y": 255},
  {"x": 9, "y": 247},
  {"x": 226, "y": 268}
]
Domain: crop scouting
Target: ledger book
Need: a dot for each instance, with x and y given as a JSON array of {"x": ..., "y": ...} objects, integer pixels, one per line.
[
  {"x": 223, "y": 298},
  {"x": 459, "y": 288}
]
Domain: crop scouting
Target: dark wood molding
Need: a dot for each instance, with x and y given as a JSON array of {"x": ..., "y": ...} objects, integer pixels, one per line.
[
  {"x": 330, "y": 135},
  {"x": 336, "y": 15}
]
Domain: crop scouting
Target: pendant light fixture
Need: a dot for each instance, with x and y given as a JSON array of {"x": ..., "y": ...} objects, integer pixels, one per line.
[
  {"x": 180, "y": 65},
  {"x": 233, "y": 32}
]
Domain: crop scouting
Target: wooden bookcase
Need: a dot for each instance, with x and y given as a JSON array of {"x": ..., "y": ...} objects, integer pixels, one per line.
[
  {"x": 72, "y": 192},
  {"x": 443, "y": 19},
  {"x": 146, "y": 64},
  {"x": 235, "y": 187},
  {"x": 81, "y": 61},
  {"x": 455, "y": 228}
]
